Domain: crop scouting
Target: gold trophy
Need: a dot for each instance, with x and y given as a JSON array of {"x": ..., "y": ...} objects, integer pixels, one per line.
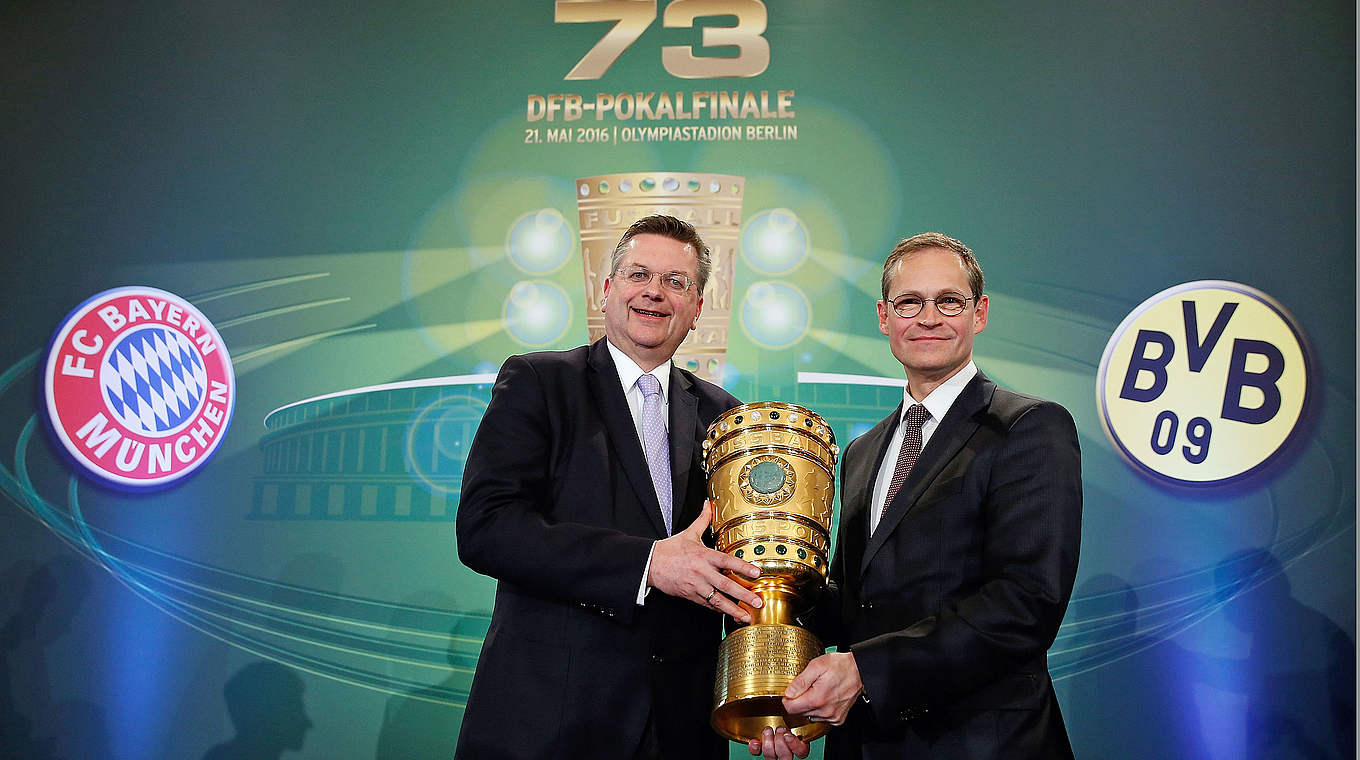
[
  {"x": 609, "y": 203},
  {"x": 771, "y": 477}
]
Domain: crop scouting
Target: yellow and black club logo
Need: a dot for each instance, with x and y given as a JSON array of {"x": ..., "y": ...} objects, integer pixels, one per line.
[{"x": 1203, "y": 383}]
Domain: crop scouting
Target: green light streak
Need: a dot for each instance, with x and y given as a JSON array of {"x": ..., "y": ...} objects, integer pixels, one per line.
[
  {"x": 244, "y": 318},
  {"x": 296, "y": 343},
  {"x": 232, "y": 290}
]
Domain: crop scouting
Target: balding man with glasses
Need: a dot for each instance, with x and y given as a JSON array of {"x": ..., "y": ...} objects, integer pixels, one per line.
[
  {"x": 583, "y": 496},
  {"x": 957, "y": 549}
]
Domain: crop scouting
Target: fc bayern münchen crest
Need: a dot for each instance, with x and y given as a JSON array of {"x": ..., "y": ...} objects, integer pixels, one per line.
[{"x": 139, "y": 387}]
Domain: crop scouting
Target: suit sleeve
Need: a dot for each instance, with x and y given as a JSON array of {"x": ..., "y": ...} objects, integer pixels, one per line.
[
  {"x": 504, "y": 528},
  {"x": 1030, "y": 539}
]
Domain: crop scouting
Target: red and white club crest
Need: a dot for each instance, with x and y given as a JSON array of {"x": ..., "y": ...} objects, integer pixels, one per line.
[{"x": 139, "y": 387}]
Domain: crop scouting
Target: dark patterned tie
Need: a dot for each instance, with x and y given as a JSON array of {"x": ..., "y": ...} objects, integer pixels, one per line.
[{"x": 911, "y": 449}]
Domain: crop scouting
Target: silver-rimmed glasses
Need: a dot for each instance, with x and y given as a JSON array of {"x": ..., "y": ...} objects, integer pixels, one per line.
[
  {"x": 676, "y": 282},
  {"x": 948, "y": 304}
]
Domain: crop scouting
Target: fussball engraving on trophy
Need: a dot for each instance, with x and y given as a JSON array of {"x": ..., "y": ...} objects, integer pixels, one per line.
[{"x": 771, "y": 477}]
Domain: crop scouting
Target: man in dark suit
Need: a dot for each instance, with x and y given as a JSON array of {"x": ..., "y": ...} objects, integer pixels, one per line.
[
  {"x": 605, "y": 630},
  {"x": 957, "y": 548}
]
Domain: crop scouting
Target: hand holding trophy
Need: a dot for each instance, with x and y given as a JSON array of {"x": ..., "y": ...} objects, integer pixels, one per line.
[{"x": 771, "y": 477}]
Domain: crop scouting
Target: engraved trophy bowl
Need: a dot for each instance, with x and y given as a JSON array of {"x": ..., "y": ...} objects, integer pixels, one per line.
[{"x": 771, "y": 477}]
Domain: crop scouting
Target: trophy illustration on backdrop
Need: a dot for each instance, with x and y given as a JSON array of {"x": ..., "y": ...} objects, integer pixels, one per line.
[
  {"x": 771, "y": 477},
  {"x": 609, "y": 203}
]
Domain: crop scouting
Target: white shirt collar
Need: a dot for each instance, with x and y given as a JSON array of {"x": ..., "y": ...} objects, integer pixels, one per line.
[
  {"x": 629, "y": 371},
  {"x": 944, "y": 395}
]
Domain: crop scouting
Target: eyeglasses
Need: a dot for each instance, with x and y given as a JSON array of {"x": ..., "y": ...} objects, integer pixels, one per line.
[
  {"x": 675, "y": 282},
  {"x": 948, "y": 304}
]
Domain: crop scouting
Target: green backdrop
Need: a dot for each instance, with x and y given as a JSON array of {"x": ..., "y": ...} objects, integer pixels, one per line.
[{"x": 359, "y": 197}]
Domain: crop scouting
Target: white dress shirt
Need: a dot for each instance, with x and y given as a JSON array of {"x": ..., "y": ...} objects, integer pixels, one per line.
[{"x": 629, "y": 372}]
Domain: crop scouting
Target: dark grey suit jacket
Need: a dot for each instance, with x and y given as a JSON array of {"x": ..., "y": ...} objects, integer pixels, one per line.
[
  {"x": 558, "y": 505},
  {"x": 951, "y": 605}
]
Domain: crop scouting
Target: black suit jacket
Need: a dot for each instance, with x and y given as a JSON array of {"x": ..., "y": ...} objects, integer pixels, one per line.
[
  {"x": 951, "y": 605},
  {"x": 558, "y": 505}
]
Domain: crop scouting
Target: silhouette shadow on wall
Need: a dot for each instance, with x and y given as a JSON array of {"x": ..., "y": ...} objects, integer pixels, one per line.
[
  {"x": 420, "y": 725},
  {"x": 33, "y": 724},
  {"x": 1291, "y": 696},
  {"x": 264, "y": 700},
  {"x": 1137, "y": 698},
  {"x": 1299, "y": 675},
  {"x": 423, "y": 724}
]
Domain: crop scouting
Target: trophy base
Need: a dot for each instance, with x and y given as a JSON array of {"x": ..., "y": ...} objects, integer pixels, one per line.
[
  {"x": 755, "y": 665},
  {"x": 743, "y": 720}
]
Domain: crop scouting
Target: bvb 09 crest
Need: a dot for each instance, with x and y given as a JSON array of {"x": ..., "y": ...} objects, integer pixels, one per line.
[
  {"x": 139, "y": 387},
  {"x": 1204, "y": 382}
]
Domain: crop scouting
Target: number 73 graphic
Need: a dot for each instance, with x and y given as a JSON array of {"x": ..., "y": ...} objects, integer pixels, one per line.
[{"x": 634, "y": 16}]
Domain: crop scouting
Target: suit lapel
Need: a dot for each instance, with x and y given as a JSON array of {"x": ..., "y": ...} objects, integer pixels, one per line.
[
  {"x": 958, "y": 425},
  {"x": 858, "y": 487},
  {"x": 683, "y": 422},
  {"x": 618, "y": 422}
]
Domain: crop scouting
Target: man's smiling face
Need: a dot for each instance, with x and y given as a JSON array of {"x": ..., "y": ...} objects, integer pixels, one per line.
[
  {"x": 930, "y": 345},
  {"x": 648, "y": 322}
]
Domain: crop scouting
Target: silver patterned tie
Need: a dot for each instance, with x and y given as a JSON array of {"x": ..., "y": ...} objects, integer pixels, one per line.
[{"x": 655, "y": 444}]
